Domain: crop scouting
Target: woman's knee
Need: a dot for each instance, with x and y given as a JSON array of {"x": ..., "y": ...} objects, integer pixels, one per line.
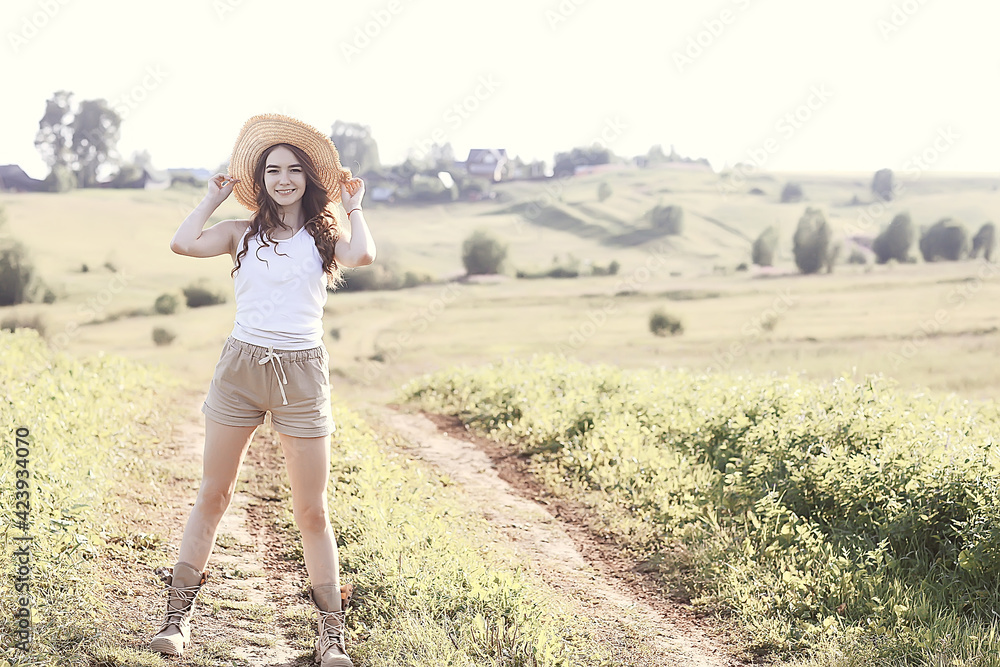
[{"x": 312, "y": 517}]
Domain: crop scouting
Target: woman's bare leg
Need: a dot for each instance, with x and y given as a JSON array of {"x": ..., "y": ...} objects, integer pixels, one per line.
[
  {"x": 308, "y": 462},
  {"x": 225, "y": 449}
]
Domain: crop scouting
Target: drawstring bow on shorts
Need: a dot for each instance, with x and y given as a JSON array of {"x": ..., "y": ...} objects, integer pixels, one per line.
[{"x": 275, "y": 360}]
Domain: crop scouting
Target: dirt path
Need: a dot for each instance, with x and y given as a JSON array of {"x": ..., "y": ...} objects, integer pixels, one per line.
[
  {"x": 253, "y": 611},
  {"x": 642, "y": 627}
]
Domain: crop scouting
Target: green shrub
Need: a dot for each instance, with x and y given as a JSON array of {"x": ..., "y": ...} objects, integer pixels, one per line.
[
  {"x": 984, "y": 241},
  {"x": 764, "y": 247},
  {"x": 791, "y": 193},
  {"x": 812, "y": 242},
  {"x": 669, "y": 219},
  {"x": 610, "y": 270},
  {"x": 857, "y": 256},
  {"x": 882, "y": 186},
  {"x": 604, "y": 191},
  {"x": 197, "y": 295},
  {"x": 894, "y": 242},
  {"x": 166, "y": 304},
  {"x": 163, "y": 336},
  {"x": 946, "y": 239},
  {"x": 17, "y": 273},
  {"x": 662, "y": 323},
  {"x": 12, "y": 323},
  {"x": 483, "y": 253},
  {"x": 384, "y": 275}
]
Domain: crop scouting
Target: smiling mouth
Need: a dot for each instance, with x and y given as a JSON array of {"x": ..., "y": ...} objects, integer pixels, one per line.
[{"x": 285, "y": 192}]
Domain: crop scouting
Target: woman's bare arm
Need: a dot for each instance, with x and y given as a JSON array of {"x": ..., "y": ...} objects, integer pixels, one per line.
[
  {"x": 357, "y": 248},
  {"x": 193, "y": 240}
]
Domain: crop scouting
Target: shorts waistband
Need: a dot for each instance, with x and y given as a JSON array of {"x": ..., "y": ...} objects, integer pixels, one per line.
[{"x": 259, "y": 351}]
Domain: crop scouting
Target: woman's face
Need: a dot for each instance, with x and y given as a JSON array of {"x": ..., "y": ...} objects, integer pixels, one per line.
[{"x": 284, "y": 178}]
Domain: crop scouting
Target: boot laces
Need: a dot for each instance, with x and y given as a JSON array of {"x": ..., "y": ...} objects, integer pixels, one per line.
[
  {"x": 332, "y": 624},
  {"x": 184, "y": 594}
]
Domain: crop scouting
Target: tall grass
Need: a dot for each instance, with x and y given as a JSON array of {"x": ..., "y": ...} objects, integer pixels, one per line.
[
  {"x": 835, "y": 521},
  {"x": 84, "y": 419},
  {"x": 436, "y": 587}
]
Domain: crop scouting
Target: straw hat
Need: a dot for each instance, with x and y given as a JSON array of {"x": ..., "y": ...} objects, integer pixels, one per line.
[{"x": 263, "y": 131}]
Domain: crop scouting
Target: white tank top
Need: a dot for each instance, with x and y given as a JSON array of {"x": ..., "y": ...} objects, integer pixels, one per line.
[{"x": 280, "y": 302}]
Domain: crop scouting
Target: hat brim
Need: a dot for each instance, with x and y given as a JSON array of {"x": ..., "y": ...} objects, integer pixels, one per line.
[{"x": 266, "y": 130}]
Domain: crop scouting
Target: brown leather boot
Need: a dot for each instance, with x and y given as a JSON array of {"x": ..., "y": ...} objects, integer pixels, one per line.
[
  {"x": 332, "y": 607},
  {"x": 183, "y": 584}
]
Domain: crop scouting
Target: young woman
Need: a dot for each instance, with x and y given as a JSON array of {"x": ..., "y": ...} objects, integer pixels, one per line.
[{"x": 288, "y": 174}]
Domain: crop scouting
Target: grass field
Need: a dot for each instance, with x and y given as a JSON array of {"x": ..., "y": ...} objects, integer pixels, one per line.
[
  {"x": 857, "y": 320},
  {"x": 925, "y": 325}
]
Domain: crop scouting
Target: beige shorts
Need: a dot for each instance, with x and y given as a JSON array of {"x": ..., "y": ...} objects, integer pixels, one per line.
[{"x": 248, "y": 383}]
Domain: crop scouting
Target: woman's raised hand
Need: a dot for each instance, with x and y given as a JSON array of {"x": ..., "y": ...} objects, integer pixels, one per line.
[
  {"x": 221, "y": 186},
  {"x": 352, "y": 192}
]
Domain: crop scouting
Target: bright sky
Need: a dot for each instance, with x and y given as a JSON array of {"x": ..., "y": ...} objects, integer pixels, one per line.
[{"x": 852, "y": 85}]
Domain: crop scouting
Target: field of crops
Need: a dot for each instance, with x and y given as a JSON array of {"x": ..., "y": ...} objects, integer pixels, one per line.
[{"x": 837, "y": 523}]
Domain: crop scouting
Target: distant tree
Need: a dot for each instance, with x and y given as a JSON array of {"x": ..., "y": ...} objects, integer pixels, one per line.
[
  {"x": 985, "y": 241},
  {"x": 791, "y": 193},
  {"x": 483, "y": 253},
  {"x": 96, "y": 127},
  {"x": 55, "y": 136},
  {"x": 656, "y": 154},
  {"x": 356, "y": 146},
  {"x": 129, "y": 176},
  {"x": 882, "y": 184},
  {"x": 764, "y": 247},
  {"x": 812, "y": 245},
  {"x": 81, "y": 140},
  {"x": 895, "y": 240},
  {"x": 566, "y": 163},
  {"x": 60, "y": 179},
  {"x": 670, "y": 219},
  {"x": 603, "y": 191},
  {"x": 946, "y": 239}
]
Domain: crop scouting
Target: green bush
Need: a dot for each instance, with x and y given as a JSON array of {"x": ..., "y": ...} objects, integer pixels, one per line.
[
  {"x": 857, "y": 256},
  {"x": 946, "y": 239},
  {"x": 662, "y": 323},
  {"x": 812, "y": 242},
  {"x": 894, "y": 242},
  {"x": 604, "y": 191},
  {"x": 985, "y": 242},
  {"x": 12, "y": 323},
  {"x": 384, "y": 275},
  {"x": 166, "y": 304},
  {"x": 612, "y": 269},
  {"x": 764, "y": 247},
  {"x": 483, "y": 253},
  {"x": 17, "y": 273},
  {"x": 791, "y": 193},
  {"x": 163, "y": 336},
  {"x": 670, "y": 219},
  {"x": 197, "y": 295},
  {"x": 882, "y": 186}
]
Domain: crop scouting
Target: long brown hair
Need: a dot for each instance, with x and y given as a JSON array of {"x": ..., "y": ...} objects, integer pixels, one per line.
[{"x": 321, "y": 223}]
